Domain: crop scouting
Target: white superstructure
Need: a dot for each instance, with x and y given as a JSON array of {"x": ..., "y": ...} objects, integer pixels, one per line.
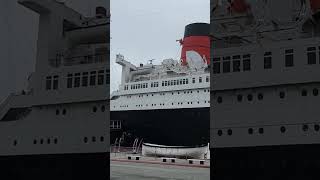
[{"x": 166, "y": 86}]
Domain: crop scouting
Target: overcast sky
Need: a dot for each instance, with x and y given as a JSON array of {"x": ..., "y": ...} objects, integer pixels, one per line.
[
  {"x": 18, "y": 36},
  {"x": 148, "y": 29}
]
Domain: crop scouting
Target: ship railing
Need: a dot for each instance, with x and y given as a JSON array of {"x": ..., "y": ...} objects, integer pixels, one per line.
[{"x": 76, "y": 60}]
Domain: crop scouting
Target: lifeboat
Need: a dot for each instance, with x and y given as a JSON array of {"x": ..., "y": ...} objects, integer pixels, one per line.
[{"x": 174, "y": 151}]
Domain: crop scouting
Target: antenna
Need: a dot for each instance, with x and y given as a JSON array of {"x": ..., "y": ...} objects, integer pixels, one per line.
[{"x": 151, "y": 60}]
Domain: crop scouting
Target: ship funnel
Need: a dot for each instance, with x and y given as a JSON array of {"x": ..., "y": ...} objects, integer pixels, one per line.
[{"x": 196, "y": 38}]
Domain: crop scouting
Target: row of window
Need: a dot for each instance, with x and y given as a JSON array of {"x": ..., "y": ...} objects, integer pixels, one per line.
[
  {"x": 166, "y": 83},
  {"x": 304, "y": 127},
  {"x": 163, "y": 104},
  {"x": 48, "y": 141},
  {"x": 282, "y": 95},
  {"x": 85, "y": 79},
  {"x": 172, "y": 93},
  {"x": 79, "y": 79},
  {"x": 52, "y": 82},
  {"x": 40, "y": 141},
  {"x": 93, "y": 139},
  {"x": 238, "y": 62},
  {"x": 94, "y": 109}
]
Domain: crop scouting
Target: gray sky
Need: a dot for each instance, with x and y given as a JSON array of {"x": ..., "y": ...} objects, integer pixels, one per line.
[
  {"x": 18, "y": 36},
  {"x": 147, "y": 29}
]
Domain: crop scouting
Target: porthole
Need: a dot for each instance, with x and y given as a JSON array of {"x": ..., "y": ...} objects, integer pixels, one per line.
[
  {"x": 260, "y": 96},
  {"x": 57, "y": 112},
  {"x": 281, "y": 94},
  {"x": 55, "y": 141},
  {"x": 103, "y": 108},
  {"x": 101, "y": 138},
  {"x": 64, "y": 111},
  {"x": 34, "y": 141},
  {"x": 94, "y": 109},
  {"x": 283, "y": 129},
  {"x": 250, "y": 131},
  {"x": 219, "y": 132},
  {"x": 316, "y": 127},
  {"x": 93, "y": 139},
  {"x": 229, "y": 132},
  {"x": 219, "y": 99},
  {"x": 249, "y": 97},
  {"x": 239, "y": 98},
  {"x": 261, "y": 130},
  {"x": 304, "y": 92},
  {"x": 48, "y": 141},
  {"x": 85, "y": 140},
  {"x": 305, "y": 127},
  {"x": 315, "y": 92},
  {"x": 41, "y": 141}
]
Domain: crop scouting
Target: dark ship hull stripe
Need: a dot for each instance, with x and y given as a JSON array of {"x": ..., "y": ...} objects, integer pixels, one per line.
[
  {"x": 56, "y": 166},
  {"x": 171, "y": 127}
]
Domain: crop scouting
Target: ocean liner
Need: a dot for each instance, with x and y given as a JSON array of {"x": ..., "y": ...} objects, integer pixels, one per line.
[
  {"x": 165, "y": 104},
  {"x": 265, "y": 89},
  {"x": 58, "y": 128}
]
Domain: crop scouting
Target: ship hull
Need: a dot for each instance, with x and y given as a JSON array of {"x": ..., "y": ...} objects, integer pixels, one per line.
[
  {"x": 171, "y": 127},
  {"x": 268, "y": 162},
  {"x": 55, "y": 166}
]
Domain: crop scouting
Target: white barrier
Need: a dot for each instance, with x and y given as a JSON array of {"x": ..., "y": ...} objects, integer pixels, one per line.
[{"x": 200, "y": 161}]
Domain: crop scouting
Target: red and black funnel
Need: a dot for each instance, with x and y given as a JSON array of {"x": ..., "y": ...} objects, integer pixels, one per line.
[{"x": 196, "y": 38}]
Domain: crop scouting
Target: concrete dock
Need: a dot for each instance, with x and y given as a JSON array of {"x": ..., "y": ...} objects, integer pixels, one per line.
[{"x": 154, "y": 168}]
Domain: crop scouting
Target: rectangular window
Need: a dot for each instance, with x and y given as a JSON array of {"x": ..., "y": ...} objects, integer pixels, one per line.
[
  {"x": 69, "y": 81},
  {"x": 93, "y": 77},
  {"x": 236, "y": 63},
  {"x": 100, "y": 77},
  {"x": 85, "y": 79},
  {"x": 193, "y": 80},
  {"x": 226, "y": 64},
  {"x": 48, "y": 82},
  {"x": 77, "y": 80},
  {"x": 207, "y": 79},
  {"x": 55, "y": 82},
  {"x": 312, "y": 55},
  {"x": 246, "y": 62},
  {"x": 187, "y": 81},
  {"x": 216, "y": 65},
  {"x": 107, "y": 77},
  {"x": 267, "y": 61},
  {"x": 200, "y": 79},
  {"x": 289, "y": 58}
]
